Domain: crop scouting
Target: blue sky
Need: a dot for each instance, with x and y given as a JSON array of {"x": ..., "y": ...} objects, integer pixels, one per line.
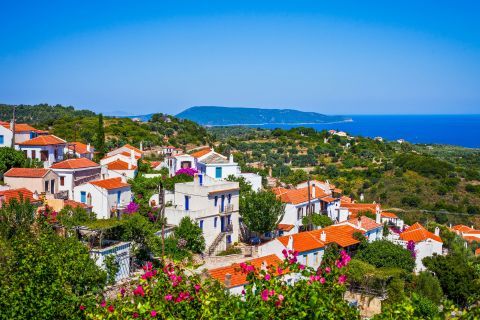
[{"x": 333, "y": 57}]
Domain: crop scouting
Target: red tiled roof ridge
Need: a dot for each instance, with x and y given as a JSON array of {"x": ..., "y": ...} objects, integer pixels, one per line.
[
  {"x": 43, "y": 140},
  {"x": 110, "y": 184},
  {"x": 26, "y": 172},
  {"x": 76, "y": 163}
]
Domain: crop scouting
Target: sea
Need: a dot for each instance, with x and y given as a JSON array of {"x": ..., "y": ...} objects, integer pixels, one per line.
[{"x": 460, "y": 130}]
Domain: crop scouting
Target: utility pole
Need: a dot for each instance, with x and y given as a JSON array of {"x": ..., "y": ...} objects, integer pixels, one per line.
[
  {"x": 12, "y": 125},
  {"x": 161, "y": 214},
  {"x": 308, "y": 206}
]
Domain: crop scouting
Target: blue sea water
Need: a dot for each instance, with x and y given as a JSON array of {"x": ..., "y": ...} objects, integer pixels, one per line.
[{"x": 461, "y": 130}]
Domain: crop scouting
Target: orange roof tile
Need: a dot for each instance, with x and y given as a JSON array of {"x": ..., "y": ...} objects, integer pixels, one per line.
[
  {"x": 154, "y": 164},
  {"x": 75, "y": 204},
  {"x": 238, "y": 278},
  {"x": 119, "y": 165},
  {"x": 133, "y": 148},
  {"x": 19, "y": 127},
  {"x": 417, "y": 233},
  {"x": 296, "y": 196},
  {"x": 462, "y": 228},
  {"x": 77, "y": 163},
  {"x": 345, "y": 199},
  {"x": 79, "y": 147},
  {"x": 25, "y": 194},
  {"x": 339, "y": 234},
  {"x": 201, "y": 152},
  {"x": 471, "y": 238},
  {"x": 328, "y": 199},
  {"x": 477, "y": 252},
  {"x": 46, "y": 140},
  {"x": 389, "y": 215},
  {"x": 355, "y": 208},
  {"x": 364, "y": 223},
  {"x": 26, "y": 172},
  {"x": 110, "y": 184},
  {"x": 285, "y": 227},
  {"x": 303, "y": 241}
]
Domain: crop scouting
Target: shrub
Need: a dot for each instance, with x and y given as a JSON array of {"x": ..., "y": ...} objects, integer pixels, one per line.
[{"x": 384, "y": 253}]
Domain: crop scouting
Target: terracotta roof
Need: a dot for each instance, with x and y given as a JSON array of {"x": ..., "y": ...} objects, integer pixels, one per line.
[
  {"x": 337, "y": 190},
  {"x": 201, "y": 152},
  {"x": 75, "y": 204},
  {"x": 46, "y": 140},
  {"x": 110, "y": 184},
  {"x": 26, "y": 172},
  {"x": 19, "y": 127},
  {"x": 154, "y": 164},
  {"x": 296, "y": 196},
  {"x": 477, "y": 252},
  {"x": 462, "y": 228},
  {"x": 418, "y": 233},
  {"x": 328, "y": 199},
  {"x": 345, "y": 199},
  {"x": 471, "y": 238},
  {"x": 389, "y": 215},
  {"x": 8, "y": 195},
  {"x": 133, "y": 148},
  {"x": 238, "y": 278},
  {"x": 285, "y": 227},
  {"x": 355, "y": 208},
  {"x": 366, "y": 223},
  {"x": 79, "y": 147},
  {"x": 339, "y": 234},
  {"x": 119, "y": 165},
  {"x": 303, "y": 241},
  {"x": 78, "y": 163}
]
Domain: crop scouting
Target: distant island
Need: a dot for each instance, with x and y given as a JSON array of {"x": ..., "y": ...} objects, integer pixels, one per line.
[{"x": 226, "y": 116}]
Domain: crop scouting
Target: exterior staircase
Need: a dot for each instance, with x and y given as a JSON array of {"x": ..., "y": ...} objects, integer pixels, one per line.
[{"x": 218, "y": 239}]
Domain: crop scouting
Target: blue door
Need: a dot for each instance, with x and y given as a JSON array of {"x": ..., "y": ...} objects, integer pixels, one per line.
[
  {"x": 218, "y": 172},
  {"x": 187, "y": 204},
  {"x": 223, "y": 203},
  {"x": 222, "y": 223},
  {"x": 118, "y": 196}
]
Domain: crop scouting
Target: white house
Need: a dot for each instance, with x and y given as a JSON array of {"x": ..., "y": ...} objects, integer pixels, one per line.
[
  {"x": 126, "y": 149},
  {"x": 23, "y": 132},
  {"x": 177, "y": 162},
  {"x": 80, "y": 150},
  {"x": 391, "y": 219},
  {"x": 217, "y": 166},
  {"x": 427, "y": 244},
  {"x": 119, "y": 168},
  {"x": 45, "y": 148},
  {"x": 74, "y": 172},
  {"x": 130, "y": 157},
  {"x": 106, "y": 197},
  {"x": 37, "y": 180},
  {"x": 213, "y": 205},
  {"x": 121, "y": 252},
  {"x": 169, "y": 151},
  {"x": 326, "y": 186},
  {"x": 301, "y": 202},
  {"x": 371, "y": 229}
]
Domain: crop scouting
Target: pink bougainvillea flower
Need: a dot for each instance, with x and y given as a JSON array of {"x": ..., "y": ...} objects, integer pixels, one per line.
[
  {"x": 139, "y": 291},
  {"x": 279, "y": 270},
  {"x": 284, "y": 252},
  {"x": 264, "y": 295},
  {"x": 322, "y": 280},
  {"x": 132, "y": 207},
  {"x": 328, "y": 270},
  {"x": 197, "y": 287},
  {"x": 111, "y": 308},
  {"x": 82, "y": 307},
  {"x": 301, "y": 266},
  {"x": 267, "y": 277},
  {"x": 103, "y": 304},
  {"x": 122, "y": 291},
  {"x": 243, "y": 292},
  {"x": 280, "y": 297},
  {"x": 168, "y": 297},
  {"x": 153, "y": 313},
  {"x": 135, "y": 315},
  {"x": 342, "y": 279},
  {"x": 339, "y": 264}
]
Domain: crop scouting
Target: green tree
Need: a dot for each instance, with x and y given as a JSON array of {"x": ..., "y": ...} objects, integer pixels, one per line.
[
  {"x": 10, "y": 158},
  {"x": 427, "y": 285},
  {"x": 189, "y": 231},
  {"x": 318, "y": 220},
  {"x": 261, "y": 212},
  {"x": 100, "y": 137},
  {"x": 384, "y": 253}
]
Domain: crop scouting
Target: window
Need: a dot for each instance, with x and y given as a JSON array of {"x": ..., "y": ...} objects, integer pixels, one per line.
[
  {"x": 315, "y": 256},
  {"x": 32, "y": 135},
  {"x": 34, "y": 154},
  {"x": 62, "y": 180},
  {"x": 215, "y": 222},
  {"x": 201, "y": 224},
  {"x": 52, "y": 186},
  {"x": 229, "y": 198},
  {"x": 2, "y": 139},
  {"x": 229, "y": 239},
  {"x": 215, "y": 200},
  {"x": 222, "y": 208},
  {"x": 218, "y": 172},
  {"x": 83, "y": 197},
  {"x": 44, "y": 155},
  {"x": 305, "y": 258},
  {"x": 187, "y": 204},
  {"x": 299, "y": 213},
  {"x": 46, "y": 186},
  {"x": 119, "y": 193}
]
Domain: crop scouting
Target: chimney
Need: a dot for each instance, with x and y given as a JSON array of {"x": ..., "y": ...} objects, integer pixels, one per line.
[
  {"x": 129, "y": 166},
  {"x": 88, "y": 147},
  {"x": 378, "y": 217},
  {"x": 141, "y": 145},
  {"x": 437, "y": 231},
  {"x": 231, "y": 158},
  {"x": 290, "y": 243},
  {"x": 228, "y": 280},
  {"x": 323, "y": 236},
  {"x": 195, "y": 179}
]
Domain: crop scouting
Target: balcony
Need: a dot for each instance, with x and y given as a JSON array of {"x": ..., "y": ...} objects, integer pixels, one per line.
[
  {"x": 227, "y": 228},
  {"x": 229, "y": 208}
]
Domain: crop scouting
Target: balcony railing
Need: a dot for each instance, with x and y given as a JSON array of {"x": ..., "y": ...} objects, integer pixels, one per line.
[
  {"x": 229, "y": 208},
  {"x": 228, "y": 228}
]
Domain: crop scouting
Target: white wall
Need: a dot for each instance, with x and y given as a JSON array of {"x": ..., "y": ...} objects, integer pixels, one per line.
[
  {"x": 129, "y": 174},
  {"x": 103, "y": 200},
  {"x": 7, "y": 137},
  {"x": 426, "y": 249},
  {"x": 254, "y": 179},
  {"x": 121, "y": 251},
  {"x": 51, "y": 153}
]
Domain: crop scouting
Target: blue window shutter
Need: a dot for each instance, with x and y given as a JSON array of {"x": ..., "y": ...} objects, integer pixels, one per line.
[
  {"x": 218, "y": 172},
  {"x": 83, "y": 197},
  {"x": 215, "y": 222},
  {"x": 2, "y": 140},
  {"x": 216, "y": 200},
  {"x": 201, "y": 224},
  {"x": 187, "y": 204}
]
